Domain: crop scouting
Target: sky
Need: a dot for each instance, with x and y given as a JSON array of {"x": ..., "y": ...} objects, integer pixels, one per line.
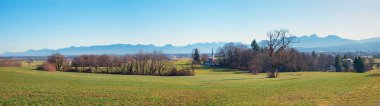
[{"x": 53, "y": 24}]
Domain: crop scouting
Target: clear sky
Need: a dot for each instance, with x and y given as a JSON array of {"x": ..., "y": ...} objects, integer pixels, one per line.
[{"x": 38, "y": 24}]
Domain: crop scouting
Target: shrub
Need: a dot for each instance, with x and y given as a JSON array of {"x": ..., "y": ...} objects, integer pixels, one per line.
[
  {"x": 48, "y": 67},
  {"x": 39, "y": 67}
]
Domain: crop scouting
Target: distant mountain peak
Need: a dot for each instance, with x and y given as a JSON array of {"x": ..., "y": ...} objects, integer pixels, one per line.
[
  {"x": 314, "y": 35},
  {"x": 333, "y": 36},
  {"x": 168, "y": 45},
  {"x": 314, "y": 40}
]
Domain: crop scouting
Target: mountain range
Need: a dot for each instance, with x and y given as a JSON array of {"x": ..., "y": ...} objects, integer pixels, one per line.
[
  {"x": 120, "y": 49},
  {"x": 307, "y": 43},
  {"x": 334, "y": 43}
]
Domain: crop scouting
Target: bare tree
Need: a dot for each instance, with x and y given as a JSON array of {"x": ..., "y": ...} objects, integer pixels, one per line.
[
  {"x": 57, "y": 59},
  {"x": 29, "y": 62},
  {"x": 46, "y": 66},
  {"x": 278, "y": 42},
  {"x": 105, "y": 61},
  {"x": 93, "y": 62},
  {"x": 260, "y": 63},
  {"x": 10, "y": 63},
  {"x": 204, "y": 58},
  {"x": 142, "y": 63},
  {"x": 275, "y": 56}
]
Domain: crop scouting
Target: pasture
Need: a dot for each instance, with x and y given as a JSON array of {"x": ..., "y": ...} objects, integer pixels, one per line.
[{"x": 210, "y": 86}]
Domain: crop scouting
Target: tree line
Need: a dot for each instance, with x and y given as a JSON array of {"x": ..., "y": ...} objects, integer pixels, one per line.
[
  {"x": 277, "y": 55},
  {"x": 142, "y": 63},
  {"x": 10, "y": 63},
  {"x": 359, "y": 64}
]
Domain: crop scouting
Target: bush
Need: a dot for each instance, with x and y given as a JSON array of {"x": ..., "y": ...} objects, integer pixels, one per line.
[{"x": 48, "y": 67}]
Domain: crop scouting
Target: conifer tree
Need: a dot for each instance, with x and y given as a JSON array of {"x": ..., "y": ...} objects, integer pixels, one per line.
[
  {"x": 338, "y": 64},
  {"x": 255, "y": 46},
  {"x": 196, "y": 56},
  {"x": 359, "y": 65}
]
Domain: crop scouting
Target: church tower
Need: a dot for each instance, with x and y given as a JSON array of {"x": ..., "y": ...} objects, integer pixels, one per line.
[{"x": 212, "y": 53}]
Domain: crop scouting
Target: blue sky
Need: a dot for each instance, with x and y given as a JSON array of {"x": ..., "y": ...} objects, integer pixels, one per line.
[{"x": 38, "y": 24}]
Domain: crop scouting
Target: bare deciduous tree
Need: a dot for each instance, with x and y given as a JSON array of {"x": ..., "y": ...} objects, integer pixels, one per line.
[
  {"x": 278, "y": 42},
  {"x": 204, "y": 58},
  {"x": 10, "y": 63},
  {"x": 142, "y": 63},
  {"x": 58, "y": 60},
  {"x": 29, "y": 62}
]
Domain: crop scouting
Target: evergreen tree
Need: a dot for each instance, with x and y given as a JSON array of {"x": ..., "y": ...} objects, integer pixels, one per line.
[
  {"x": 359, "y": 65},
  {"x": 255, "y": 46},
  {"x": 196, "y": 56},
  {"x": 345, "y": 64},
  {"x": 355, "y": 63},
  {"x": 314, "y": 55},
  {"x": 345, "y": 56},
  {"x": 338, "y": 64}
]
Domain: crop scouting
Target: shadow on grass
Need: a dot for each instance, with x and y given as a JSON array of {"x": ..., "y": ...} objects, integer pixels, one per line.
[
  {"x": 373, "y": 75},
  {"x": 222, "y": 69},
  {"x": 221, "y": 80}
]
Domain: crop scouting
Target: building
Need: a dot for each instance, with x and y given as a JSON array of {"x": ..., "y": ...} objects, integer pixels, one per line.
[
  {"x": 350, "y": 64},
  {"x": 211, "y": 61},
  {"x": 330, "y": 69},
  {"x": 173, "y": 58}
]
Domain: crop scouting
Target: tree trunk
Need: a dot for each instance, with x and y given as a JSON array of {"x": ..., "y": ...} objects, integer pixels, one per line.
[{"x": 272, "y": 72}]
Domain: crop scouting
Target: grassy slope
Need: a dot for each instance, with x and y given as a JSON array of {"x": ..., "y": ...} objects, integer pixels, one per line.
[{"x": 210, "y": 86}]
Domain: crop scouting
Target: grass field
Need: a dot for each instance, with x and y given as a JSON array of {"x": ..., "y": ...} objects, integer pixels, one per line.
[
  {"x": 377, "y": 60},
  {"x": 210, "y": 86}
]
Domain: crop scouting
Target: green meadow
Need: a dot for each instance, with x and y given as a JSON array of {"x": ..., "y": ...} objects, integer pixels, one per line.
[
  {"x": 377, "y": 60},
  {"x": 210, "y": 86}
]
